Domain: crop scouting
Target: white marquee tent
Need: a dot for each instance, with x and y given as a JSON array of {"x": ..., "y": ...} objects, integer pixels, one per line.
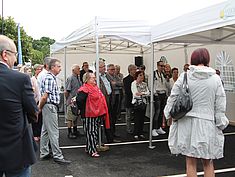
[
  {"x": 215, "y": 24},
  {"x": 212, "y": 25},
  {"x": 112, "y": 34},
  {"x": 104, "y": 36}
]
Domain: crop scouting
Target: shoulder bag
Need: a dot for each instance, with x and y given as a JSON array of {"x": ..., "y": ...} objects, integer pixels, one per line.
[{"x": 183, "y": 103}]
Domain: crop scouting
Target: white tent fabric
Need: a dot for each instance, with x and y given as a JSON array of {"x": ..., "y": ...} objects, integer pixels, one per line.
[
  {"x": 214, "y": 24},
  {"x": 133, "y": 31}
]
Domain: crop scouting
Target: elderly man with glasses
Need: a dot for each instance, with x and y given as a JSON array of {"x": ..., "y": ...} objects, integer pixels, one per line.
[{"x": 17, "y": 108}]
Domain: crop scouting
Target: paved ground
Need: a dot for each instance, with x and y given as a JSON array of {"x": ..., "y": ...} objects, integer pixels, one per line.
[{"x": 129, "y": 158}]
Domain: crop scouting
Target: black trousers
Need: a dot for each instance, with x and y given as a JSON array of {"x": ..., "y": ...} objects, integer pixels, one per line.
[
  {"x": 139, "y": 115},
  {"x": 159, "y": 105},
  {"x": 114, "y": 111},
  {"x": 37, "y": 126}
]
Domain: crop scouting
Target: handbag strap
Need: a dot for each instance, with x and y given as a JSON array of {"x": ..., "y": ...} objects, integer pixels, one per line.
[{"x": 185, "y": 82}]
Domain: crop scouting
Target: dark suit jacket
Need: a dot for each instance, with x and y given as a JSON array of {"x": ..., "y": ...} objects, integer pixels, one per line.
[
  {"x": 16, "y": 101},
  {"x": 127, "y": 88}
]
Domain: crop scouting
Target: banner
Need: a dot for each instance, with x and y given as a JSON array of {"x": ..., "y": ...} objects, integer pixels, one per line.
[{"x": 20, "y": 61}]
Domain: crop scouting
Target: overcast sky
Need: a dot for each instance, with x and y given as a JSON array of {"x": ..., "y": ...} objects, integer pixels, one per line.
[{"x": 58, "y": 18}]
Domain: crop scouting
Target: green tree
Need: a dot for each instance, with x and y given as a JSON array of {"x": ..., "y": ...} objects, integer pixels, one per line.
[
  {"x": 32, "y": 50},
  {"x": 10, "y": 30},
  {"x": 43, "y": 45}
]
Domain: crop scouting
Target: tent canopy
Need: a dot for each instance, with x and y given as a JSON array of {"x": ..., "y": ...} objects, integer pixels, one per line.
[
  {"x": 215, "y": 24},
  {"x": 212, "y": 25},
  {"x": 113, "y": 35}
]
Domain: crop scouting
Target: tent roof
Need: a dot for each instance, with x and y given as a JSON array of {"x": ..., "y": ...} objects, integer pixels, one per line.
[
  {"x": 113, "y": 35},
  {"x": 214, "y": 24}
]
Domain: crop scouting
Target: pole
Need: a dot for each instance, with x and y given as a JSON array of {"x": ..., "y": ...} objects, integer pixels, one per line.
[
  {"x": 97, "y": 68},
  {"x": 2, "y": 19},
  {"x": 151, "y": 100},
  {"x": 65, "y": 71},
  {"x": 185, "y": 54},
  {"x": 20, "y": 59}
]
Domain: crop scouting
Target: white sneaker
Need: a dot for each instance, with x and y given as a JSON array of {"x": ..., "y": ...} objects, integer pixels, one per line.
[
  {"x": 160, "y": 131},
  {"x": 154, "y": 132}
]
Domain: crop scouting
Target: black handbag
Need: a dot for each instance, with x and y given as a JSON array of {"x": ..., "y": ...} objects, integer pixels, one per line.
[
  {"x": 139, "y": 104},
  {"x": 183, "y": 103},
  {"x": 74, "y": 110}
]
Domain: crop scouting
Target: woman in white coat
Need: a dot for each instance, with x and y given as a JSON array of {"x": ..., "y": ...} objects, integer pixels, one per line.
[{"x": 199, "y": 134}]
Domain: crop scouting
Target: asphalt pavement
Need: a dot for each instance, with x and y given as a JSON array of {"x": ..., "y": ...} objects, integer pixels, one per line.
[{"x": 130, "y": 158}]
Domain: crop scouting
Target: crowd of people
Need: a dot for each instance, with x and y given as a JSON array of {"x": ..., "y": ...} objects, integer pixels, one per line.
[{"x": 36, "y": 101}]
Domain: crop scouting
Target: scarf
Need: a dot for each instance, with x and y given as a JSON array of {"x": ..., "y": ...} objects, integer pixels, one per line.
[{"x": 95, "y": 104}]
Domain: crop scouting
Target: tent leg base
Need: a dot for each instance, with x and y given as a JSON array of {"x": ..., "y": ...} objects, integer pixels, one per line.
[{"x": 152, "y": 147}]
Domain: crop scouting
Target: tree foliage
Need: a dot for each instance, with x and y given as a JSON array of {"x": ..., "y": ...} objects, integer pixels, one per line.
[{"x": 32, "y": 50}]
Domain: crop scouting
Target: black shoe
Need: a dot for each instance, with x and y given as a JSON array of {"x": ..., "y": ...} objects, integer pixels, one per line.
[
  {"x": 130, "y": 132},
  {"x": 76, "y": 133},
  {"x": 72, "y": 136},
  {"x": 46, "y": 157},
  {"x": 62, "y": 161},
  {"x": 116, "y": 136}
]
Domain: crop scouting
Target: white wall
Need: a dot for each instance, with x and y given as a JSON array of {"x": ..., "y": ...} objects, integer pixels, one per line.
[{"x": 121, "y": 59}]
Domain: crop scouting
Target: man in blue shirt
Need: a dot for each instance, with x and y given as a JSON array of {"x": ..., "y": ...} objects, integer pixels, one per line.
[{"x": 50, "y": 98}]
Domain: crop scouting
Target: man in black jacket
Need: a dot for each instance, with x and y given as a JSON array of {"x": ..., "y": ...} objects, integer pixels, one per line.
[
  {"x": 17, "y": 150},
  {"x": 128, "y": 96}
]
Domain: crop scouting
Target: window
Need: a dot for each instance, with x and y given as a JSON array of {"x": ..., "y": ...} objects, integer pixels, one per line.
[{"x": 225, "y": 65}]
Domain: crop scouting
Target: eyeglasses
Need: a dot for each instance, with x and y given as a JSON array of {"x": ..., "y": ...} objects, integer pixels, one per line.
[
  {"x": 15, "y": 53},
  {"x": 162, "y": 65}
]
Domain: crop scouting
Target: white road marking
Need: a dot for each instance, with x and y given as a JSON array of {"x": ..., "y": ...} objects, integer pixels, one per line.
[
  {"x": 202, "y": 173},
  {"x": 115, "y": 144},
  {"x": 130, "y": 142},
  {"x": 119, "y": 124}
]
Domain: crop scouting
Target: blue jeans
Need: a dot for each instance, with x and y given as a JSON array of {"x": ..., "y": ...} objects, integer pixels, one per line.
[{"x": 25, "y": 172}]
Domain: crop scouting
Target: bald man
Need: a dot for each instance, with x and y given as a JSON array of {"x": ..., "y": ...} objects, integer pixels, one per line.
[{"x": 17, "y": 107}]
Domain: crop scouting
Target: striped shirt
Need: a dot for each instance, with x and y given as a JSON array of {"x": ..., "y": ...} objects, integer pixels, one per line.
[{"x": 49, "y": 85}]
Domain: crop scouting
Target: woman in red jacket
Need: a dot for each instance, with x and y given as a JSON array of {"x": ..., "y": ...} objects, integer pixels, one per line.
[{"x": 92, "y": 105}]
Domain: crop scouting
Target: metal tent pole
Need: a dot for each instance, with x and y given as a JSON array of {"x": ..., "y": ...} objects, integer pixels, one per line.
[
  {"x": 151, "y": 99},
  {"x": 97, "y": 68},
  {"x": 185, "y": 54},
  {"x": 65, "y": 61},
  {"x": 2, "y": 19}
]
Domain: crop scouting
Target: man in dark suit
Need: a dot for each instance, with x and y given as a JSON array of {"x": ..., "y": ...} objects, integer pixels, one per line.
[{"x": 17, "y": 149}]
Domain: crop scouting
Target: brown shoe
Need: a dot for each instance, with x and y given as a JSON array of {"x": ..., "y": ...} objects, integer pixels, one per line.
[{"x": 102, "y": 148}]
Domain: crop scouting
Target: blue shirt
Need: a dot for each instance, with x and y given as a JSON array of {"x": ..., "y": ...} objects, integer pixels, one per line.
[{"x": 49, "y": 86}]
